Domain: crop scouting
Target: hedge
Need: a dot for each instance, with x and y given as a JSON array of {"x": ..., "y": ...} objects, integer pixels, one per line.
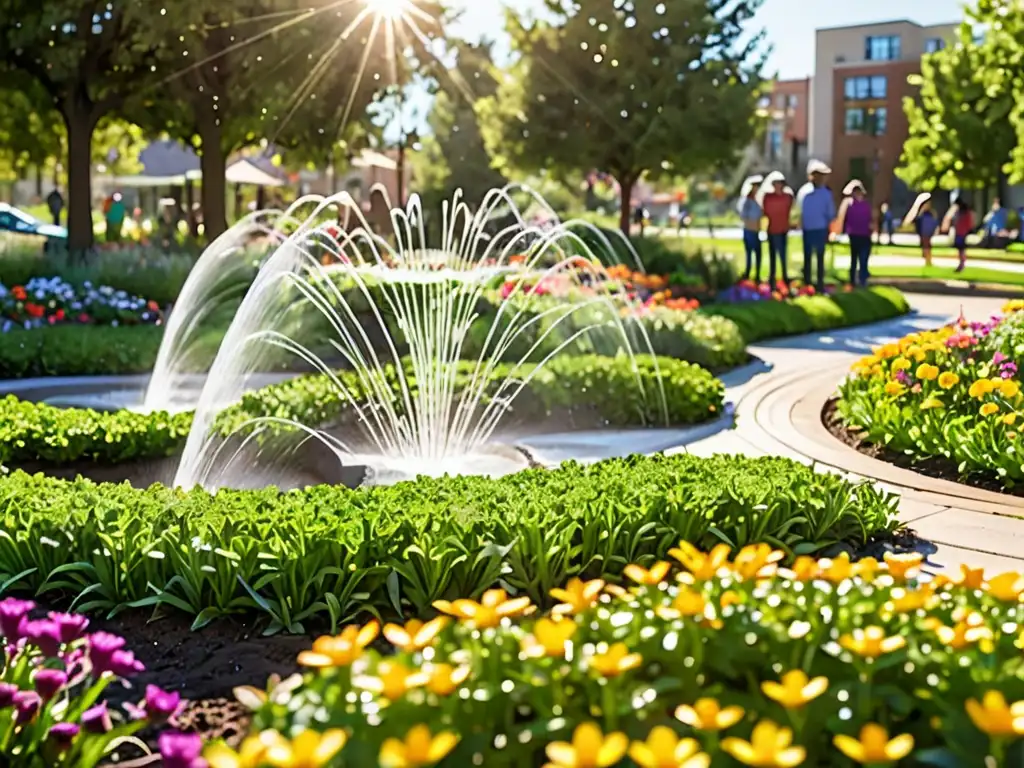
[
  {"x": 732, "y": 659},
  {"x": 602, "y": 389},
  {"x": 326, "y": 554},
  {"x": 79, "y": 350}
]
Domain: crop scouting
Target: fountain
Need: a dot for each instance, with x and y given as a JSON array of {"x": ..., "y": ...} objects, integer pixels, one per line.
[{"x": 398, "y": 315}]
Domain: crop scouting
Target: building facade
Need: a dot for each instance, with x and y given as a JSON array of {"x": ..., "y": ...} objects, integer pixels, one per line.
[
  {"x": 857, "y": 124},
  {"x": 785, "y": 111}
]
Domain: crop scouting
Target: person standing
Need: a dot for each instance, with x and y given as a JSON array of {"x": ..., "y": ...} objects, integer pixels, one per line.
[
  {"x": 887, "y": 223},
  {"x": 116, "y": 213},
  {"x": 751, "y": 213},
  {"x": 925, "y": 224},
  {"x": 778, "y": 207},
  {"x": 55, "y": 202},
  {"x": 855, "y": 221},
  {"x": 817, "y": 212},
  {"x": 961, "y": 218}
]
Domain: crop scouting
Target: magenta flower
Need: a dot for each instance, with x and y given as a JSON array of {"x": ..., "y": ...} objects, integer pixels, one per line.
[
  {"x": 102, "y": 647},
  {"x": 97, "y": 719},
  {"x": 72, "y": 625},
  {"x": 44, "y": 634},
  {"x": 998, "y": 358},
  {"x": 181, "y": 750},
  {"x": 48, "y": 682},
  {"x": 12, "y": 611},
  {"x": 26, "y": 706},
  {"x": 124, "y": 664},
  {"x": 63, "y": 734},
  {"x": 7, "y": 691},
  {"x": 161, "y": 704}
]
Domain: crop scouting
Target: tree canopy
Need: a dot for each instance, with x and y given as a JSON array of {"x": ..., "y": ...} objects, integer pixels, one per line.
[{"x": 631, "y": 89}]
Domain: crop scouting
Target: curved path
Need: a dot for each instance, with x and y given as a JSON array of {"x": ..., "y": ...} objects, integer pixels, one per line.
[{"x": 779, "y": 413}]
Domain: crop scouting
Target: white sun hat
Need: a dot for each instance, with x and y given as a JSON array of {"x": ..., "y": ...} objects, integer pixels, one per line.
[
  {"x": 816, "y": 166},
  {"x": 854, "y": 184}
]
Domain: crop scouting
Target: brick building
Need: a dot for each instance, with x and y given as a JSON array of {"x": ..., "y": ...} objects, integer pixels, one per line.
[{"x": 784, "y": 145}]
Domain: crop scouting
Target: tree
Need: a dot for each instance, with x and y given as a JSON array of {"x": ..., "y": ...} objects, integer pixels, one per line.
[
  {"x": 89, "y": 58},
  {"x": 665, "y": 87},
  {"x": 31, "y": 132},
  {"x": 961, "y": 128}
]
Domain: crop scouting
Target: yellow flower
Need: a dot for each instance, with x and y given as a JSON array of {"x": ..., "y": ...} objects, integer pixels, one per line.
[
  {"x": 1006, "y": 586},
  {"x": 1009, "y": 388},
  {"x": 837, "y": 570},
  {"x": 989, "y": 408},
  {"x": 874, "y": 745},
  {"x": 646, "y": 577},
  {"x": 415, "y": 635},
  {"x": 756, "y": 561},
  {"x": 589, "y": 749},
  {"x": 980, "y": 388},
  {"x": 341, "y": 650},
  {"x": 392, "y": 680},
  {"x": 970, "y": 630},
  {"x": 804, "y": 569},
  {"x": 1010, "y": 419},
  {"x": 577, "y": 596},
  {"x": 866, "y": 568},
  {"x": 927, "y": 372},
  {"x": 445, "y": 679},
  {"x": 994, "y": 717},
  {"x": 894, "y": 388},
  {"x": 686, "y": 603},
  {"x": 948, "y": 380},
  {"x": 901, "y": 364},
  {"x": 795, "y": 690},
  {"x": 971, "y": 578},
  {"x": 664, "y": 749},
  {"x": 701, "y": 566},
  {"x": 708, "y": 715},
  {"x": 902, "y": 566},
  {"x": 930, "y": 404},
  {"x": 494, "y": 606},
  {"x": 616, "y": 660},
  {"x": 769, "y": 747},
  {"x": 307, "y": 750},
  {"x": 419, "y": 749},
  {"x": 904, "y": 601},
  {"x": 549, "y": 637},
  {"x": 871, "y": 642},
  {"x": 252, "y": 753}
]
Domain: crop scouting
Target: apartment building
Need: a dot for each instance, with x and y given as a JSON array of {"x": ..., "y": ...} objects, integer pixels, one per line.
[
  {"x": 857, "y": 124},
  {"x": 785, "y": 110}
]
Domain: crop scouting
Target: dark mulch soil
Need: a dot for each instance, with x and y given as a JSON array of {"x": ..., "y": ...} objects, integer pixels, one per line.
[{"x": 938, "y": 467}]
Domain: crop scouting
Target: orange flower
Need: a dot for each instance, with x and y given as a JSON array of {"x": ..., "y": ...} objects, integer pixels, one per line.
[
  {"x": 645, "y": 577},
  {"x": 415, "y": 635},
  {"x": 902, "y": 566},
  {"x": 492, "y": 608},
  {"x": 577, "y": 596},
  {"x": 701, "y": 566},
  {"x": 616, "y": 660},
  {"x": 342, "y": 650}
]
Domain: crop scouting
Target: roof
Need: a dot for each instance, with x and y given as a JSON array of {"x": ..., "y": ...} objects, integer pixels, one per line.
[
  {"x": 886, "y": 23},
  {"x": 244, "y": 171},
  {"x": 168, "y": 158}
]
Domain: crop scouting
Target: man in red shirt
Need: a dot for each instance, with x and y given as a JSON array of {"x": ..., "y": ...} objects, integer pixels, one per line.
[{"x": 777, "y": 204}]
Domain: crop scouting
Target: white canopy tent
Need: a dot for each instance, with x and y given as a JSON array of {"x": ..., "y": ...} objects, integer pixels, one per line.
[{"x": 244, "y": 172}]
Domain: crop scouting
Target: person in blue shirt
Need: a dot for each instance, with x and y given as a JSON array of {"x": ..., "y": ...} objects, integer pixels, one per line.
[
  {"x": 817, "y": 212},
  {"x": 751, "y": 213}
]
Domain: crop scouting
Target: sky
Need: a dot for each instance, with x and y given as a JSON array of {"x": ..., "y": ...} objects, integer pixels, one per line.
[{"x": 790, "y": 24}]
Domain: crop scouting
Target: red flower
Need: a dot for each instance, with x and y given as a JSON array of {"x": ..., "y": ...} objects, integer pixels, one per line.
[
  {"x": 84, "y": 318},
  {"x": 34, "y": 310},
  {"x": 153, "y": 306},
  {"x": 18, "y": 293},
  {"x": 59, "y": 314}
]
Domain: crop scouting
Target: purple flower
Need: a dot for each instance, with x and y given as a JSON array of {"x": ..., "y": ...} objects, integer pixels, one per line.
[
  {"x": 12, "y": 611},
  {"x": 26, "y": 705},
  {"x": 48, "y": 682},
  {"x": 159, "y": 705},
  {"x": 72, "y": 626},
  {"x": 102, "y": 647},
  {"x": 97, "y": 719},
  {"x": 124, "y": 663},
  {"x": 7, "y": 691},
  {"x": 44, "y": 634},
  {"x": 998, "y": 358},
  {"x": 63, "y": 734},
  {"x": 902, "y": 377},
  {"x": 181, "y": 750}
]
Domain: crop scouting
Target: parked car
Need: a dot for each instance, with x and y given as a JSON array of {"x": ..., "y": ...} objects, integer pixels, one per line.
[{"x": 15, "y": 220}]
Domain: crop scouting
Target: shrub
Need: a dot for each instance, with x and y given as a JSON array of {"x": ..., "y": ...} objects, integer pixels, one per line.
[
  {"x": 73, "y": 350},
  {"x": 763, "y": 320},
  {"x": 823, "y": 663},
  {"x": 328, "y": 554},
  {"x": 953, "y": 393}
]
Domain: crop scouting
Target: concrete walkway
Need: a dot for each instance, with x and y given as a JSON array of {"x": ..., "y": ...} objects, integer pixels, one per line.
[{"x": 779, "y": 413}]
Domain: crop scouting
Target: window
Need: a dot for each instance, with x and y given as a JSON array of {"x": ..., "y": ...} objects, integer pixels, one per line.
[
  {"x": 882, "y": 48},
  {"x": 933, "y": 44},
  {"x": 794, "y": 101},
  {"x": 855, "y": 120},
  {"x": 775, "y": 142},
  {"x": 864, "y": 87},
  {"x": 880, "y": 118},
  {"x": 780, "y": 101},
  {"x": 867, "y": 120}
]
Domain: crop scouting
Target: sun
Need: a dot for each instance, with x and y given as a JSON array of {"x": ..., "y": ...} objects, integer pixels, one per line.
[{"x": 389, "y": 9}]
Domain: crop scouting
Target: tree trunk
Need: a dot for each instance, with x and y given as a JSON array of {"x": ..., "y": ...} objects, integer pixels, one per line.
[
  {"x": 190, "y": 209},
  {"x": 79, "y": 124},
  {"x": 625, "y": 199},
  {"x": 39, "y": 182},
  {"x": 213, "y": 165}
]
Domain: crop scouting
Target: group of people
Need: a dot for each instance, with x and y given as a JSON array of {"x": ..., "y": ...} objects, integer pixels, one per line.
[{"x": 820, "y": 221}]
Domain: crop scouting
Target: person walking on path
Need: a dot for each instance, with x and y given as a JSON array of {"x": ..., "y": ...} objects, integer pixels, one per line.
[
  {"x": 817, "y": 212},
  {"x": 961, "y": 219},
  {"x": 55, "y": 202},
  {"x": 925, "y": 224},
  {"x": 855, "y": 221},
  {"x": 887, "y": 223},
  {"x": 115, "y": 215},
  {"x": 778, "y": 207},
  {"x": 751, "y": 213}
]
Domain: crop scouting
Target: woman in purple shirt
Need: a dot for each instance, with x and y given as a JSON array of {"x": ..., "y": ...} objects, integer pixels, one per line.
[{"x": 855, "y": 216}]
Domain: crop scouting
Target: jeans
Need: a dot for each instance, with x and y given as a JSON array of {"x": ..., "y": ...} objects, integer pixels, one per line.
[
  {"x": 752, "y": 249},
  {"x": 777, "y": 247},
  {"x": 815, "y": 242},
  {"x": 860, "y": 252}
]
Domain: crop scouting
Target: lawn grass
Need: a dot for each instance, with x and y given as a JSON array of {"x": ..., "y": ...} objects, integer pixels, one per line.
[{"x": 942, "y": 272}]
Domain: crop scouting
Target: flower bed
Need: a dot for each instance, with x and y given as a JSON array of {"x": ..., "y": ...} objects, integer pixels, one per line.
[
  {"x": 327, "y": 554},
  {"x": 953, "y": 394},
  {"x": 597, "y": 391},
  {"x": 820, "y": 663},
  {"x": 43, "y": 302}
]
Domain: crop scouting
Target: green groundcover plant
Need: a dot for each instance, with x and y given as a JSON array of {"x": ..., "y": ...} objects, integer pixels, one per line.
[
  {"x": 952, "y": 394},
  {"x": 608, "y": 391},
  {"x": 327, "y": 554},
  {"x": 734, "y": 659}
]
